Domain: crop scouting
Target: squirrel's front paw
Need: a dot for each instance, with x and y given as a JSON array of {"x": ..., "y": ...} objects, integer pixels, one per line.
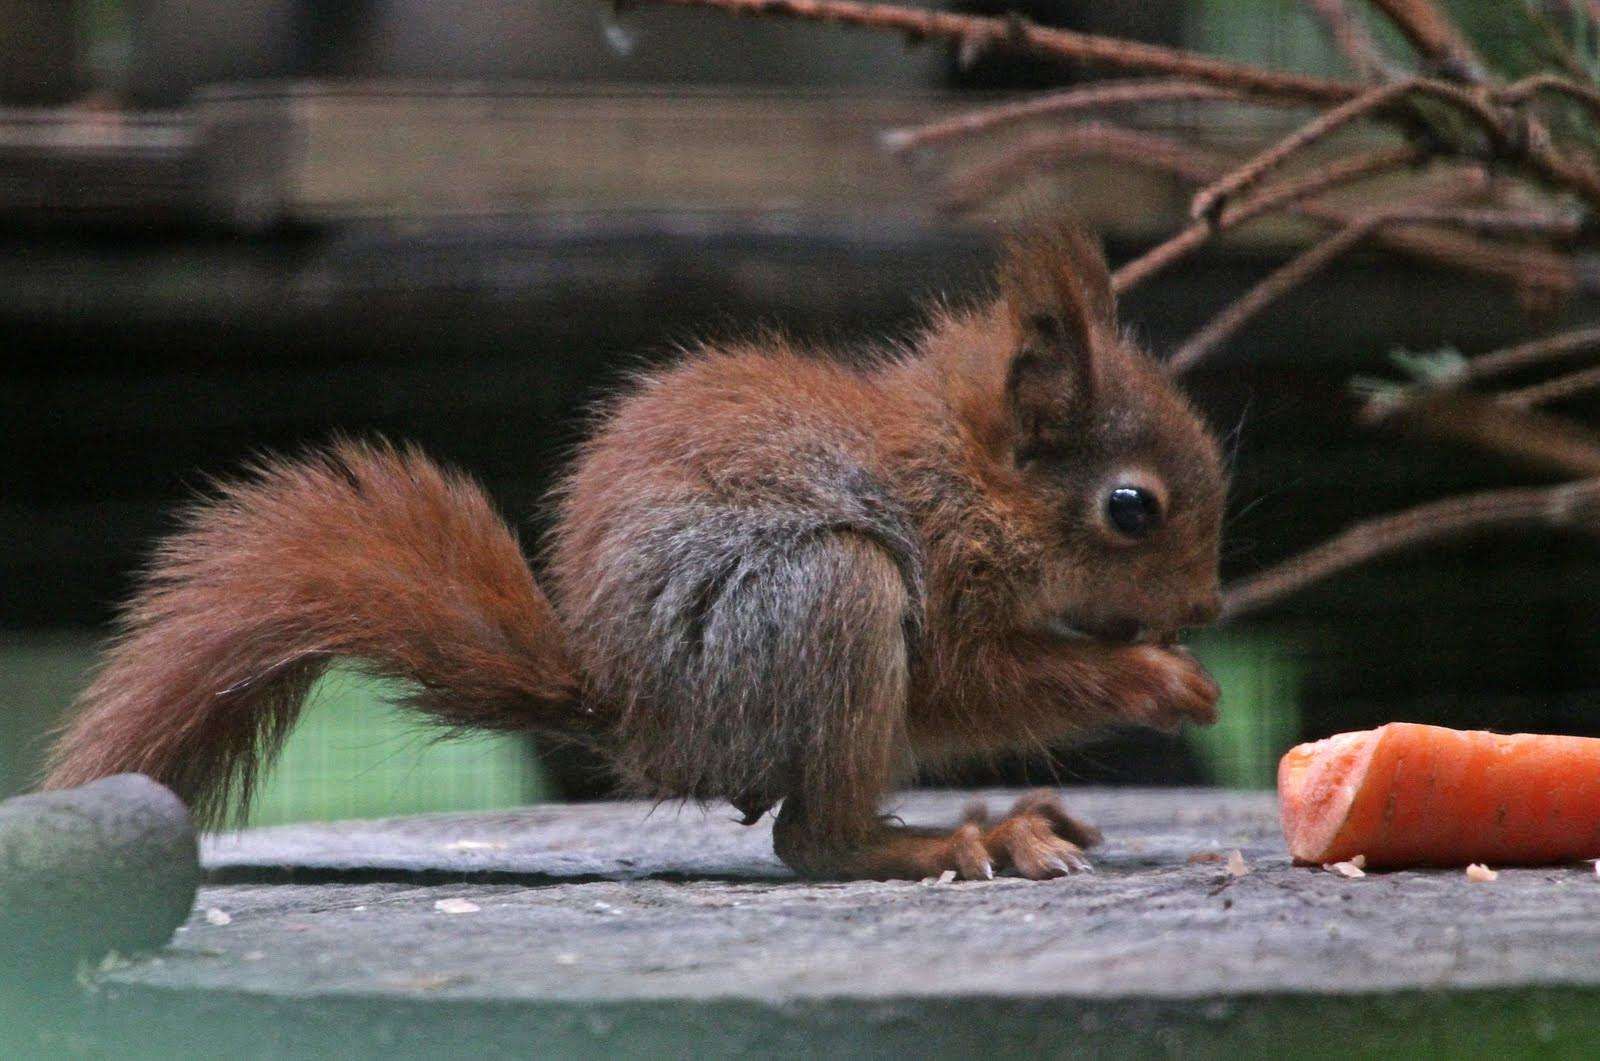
[{"x": 1168, "y": 687}]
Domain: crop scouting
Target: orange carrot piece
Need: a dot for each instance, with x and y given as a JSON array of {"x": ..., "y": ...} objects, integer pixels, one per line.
[{"x": 1413, "y": 795}]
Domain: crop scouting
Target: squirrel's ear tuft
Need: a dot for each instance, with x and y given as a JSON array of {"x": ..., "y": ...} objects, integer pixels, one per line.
[{"x": 1057, "y": 291}]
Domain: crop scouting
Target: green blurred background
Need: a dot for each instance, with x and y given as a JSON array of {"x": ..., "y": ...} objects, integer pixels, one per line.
[{"x": 152, "y": 339}]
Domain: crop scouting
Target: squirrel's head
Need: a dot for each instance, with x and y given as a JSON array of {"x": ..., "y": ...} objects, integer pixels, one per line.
[{"x": 1118, "y": 474}]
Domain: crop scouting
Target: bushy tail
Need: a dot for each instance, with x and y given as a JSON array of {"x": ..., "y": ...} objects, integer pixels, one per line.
[{"x": 358, "y": 552}]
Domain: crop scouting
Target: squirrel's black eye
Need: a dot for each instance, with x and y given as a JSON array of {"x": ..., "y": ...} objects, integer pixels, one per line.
[{"x": 1133, "y": 511}]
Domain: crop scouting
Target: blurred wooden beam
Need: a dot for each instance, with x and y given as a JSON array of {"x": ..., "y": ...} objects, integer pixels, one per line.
[{"x": 245, "y": 157}]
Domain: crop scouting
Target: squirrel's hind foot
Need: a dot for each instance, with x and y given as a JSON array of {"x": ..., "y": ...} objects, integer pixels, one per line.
[{"x": 1038, "y": 839}]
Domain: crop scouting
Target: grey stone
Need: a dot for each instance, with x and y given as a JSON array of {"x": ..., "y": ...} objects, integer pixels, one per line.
[{"x": 113, "y": 865}]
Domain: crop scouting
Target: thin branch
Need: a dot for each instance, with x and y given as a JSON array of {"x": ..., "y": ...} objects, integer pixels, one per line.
[
  {"x": 1279, "y": 283},
  {"x": 1019, "y": 34},
  {"x": 1527, "y": 267},
  {"x": 1435, "y": 37},
  {"x": 1317, "y": 182},
  {"x": 1115, "y": 93},
  {"x": 1557, "y": 168},
  {"x": 1503, "y": 222},
  {"x": 1350, "y": 36},
  {"x": 1554, "y": 390},
  {"x": 1533, "y": 352},
  {"x": 1552, "y": 84},
  {"x": 1209, "y": 200},
  {"x": 985, "y": 180},
  {"x": 1555, "y": 42},
  {"x": 1304, "y": 266},
  {"x": 1566, "y": 505},
  {"x": 1542, "y": 443},
  {"x": 1526, "y": 143}
]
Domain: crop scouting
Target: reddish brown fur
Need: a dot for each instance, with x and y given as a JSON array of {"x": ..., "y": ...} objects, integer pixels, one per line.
[
  {"x": 775, "y": 577},
  {"x": 364, "y": 552}
]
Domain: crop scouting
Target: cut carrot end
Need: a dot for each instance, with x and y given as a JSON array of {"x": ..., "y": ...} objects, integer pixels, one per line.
[
  {"x": 1407, "y": 795},
  {"x": 1317, "y": 786}
]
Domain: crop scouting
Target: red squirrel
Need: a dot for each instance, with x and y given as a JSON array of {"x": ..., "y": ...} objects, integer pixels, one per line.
[{"x": 775, "y": 578}]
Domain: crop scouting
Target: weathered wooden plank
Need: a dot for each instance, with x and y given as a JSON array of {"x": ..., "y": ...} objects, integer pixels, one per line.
[
  {"x": 591, "y": 920},
  {"x": 79, "y": 164}
]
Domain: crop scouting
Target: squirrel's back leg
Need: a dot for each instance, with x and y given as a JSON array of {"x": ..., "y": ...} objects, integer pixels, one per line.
[{"x": 849, "y": 629}]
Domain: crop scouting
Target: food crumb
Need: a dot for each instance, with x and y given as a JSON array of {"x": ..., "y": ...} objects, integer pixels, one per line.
[
  {"x": 1350, "y": 868},
  {"x": 218, "y": 917},
  {"x": 425, "y": 981},
  {"x": 1236, "y": 864},
  {"x": 947, "y": 876},
  {"x": 1478, "y": 873},
  {"x": 475, "y": 845},
  {"x": 456, "y": 906}
]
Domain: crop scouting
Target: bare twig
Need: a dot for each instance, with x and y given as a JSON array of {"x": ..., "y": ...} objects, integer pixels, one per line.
[
  {"x": 1350, "y": 36},
  {"x": 1528, "y": 267},
  {"x": 1541, "y": 442},
  {"x": 1557, "y": 168},
  {"x": 1019, "y": 34},
  {"x": 1503, "y": 222},
  {"x": 1524, "y": 142},
  {"x": 1279, "y": 283},
  {"x": 1551, "y": 84},
  {"x": 1210, "y": 200},
  {"x": 1095, "y": 140},
  {"x": 1533, "y": 352},
  {"x": 1554, "y": 42},
  {"x": 1110, "y": 94},
  {"x": 1434, "y": 36},
  {"x": 1554, "y": 390},
  {"x": 1308, "y": 264},
  {"x": 1317, "y": 182},
  {"x": 1566, "y": 505}
]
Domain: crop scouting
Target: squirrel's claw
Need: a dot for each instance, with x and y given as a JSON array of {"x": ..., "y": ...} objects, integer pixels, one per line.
[{"x": 1039, "y": 839}]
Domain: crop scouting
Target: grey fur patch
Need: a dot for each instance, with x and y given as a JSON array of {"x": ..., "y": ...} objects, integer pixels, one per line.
[{"x": 739, "y": 641}]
